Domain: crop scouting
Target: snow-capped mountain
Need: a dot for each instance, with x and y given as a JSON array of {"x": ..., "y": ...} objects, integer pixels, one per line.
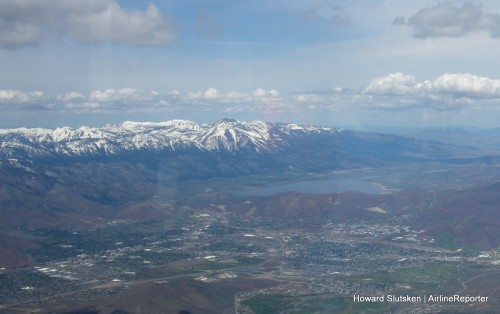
[
  {"x": 228, "y": 147},
  {"x": 175, "y": 135}
]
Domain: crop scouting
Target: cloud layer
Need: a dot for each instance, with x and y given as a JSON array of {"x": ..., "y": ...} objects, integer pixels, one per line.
[
  {"x": 138, "y": 100},
  {"x": 17, "y": 97},
  {"x": 32, "y": 22},
  {"x": 395, "y": 91},
  {"x": 447, "y": 20}
]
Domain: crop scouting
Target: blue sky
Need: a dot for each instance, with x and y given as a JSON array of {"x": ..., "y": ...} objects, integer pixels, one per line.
[{"x": 356, "y": 64}]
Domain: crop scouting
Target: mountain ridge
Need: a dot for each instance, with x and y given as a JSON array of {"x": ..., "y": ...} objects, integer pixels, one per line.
[
  {"x": 227, "y": 135},
  {"x": 227, "y": 147}
]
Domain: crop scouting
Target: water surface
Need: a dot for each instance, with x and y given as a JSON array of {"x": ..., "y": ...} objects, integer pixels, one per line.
[{"x": 323, "y": 186}]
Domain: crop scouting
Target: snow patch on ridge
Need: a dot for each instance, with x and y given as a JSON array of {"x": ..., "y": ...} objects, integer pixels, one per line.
[{"x": 225, "y": 135}]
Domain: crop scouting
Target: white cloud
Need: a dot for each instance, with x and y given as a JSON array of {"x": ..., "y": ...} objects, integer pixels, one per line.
[
  {"x": 32, "y": 22},
  {"x": 212, "y": 93},
  {"x": 124, "y": 95},
  {"x": 209, "y": 93},
  {"x": 457, "y": 84},
  {"x": 260, "y": 92},
  {"x": 394, "y": 83},
  {"x": 395, "y": 91},
  {"x": 448, "y": 91},
  {"x": 17, "y": 97},
  {"x": 447, "y": 20},
  {"x": 174, "y": 94},
  {"x": 260, "y": 100},
  {"x": 308, "y": 98},
  {"x": 140, "y": 28},
  {"x": 71, "y": 96},
  {"x": 467, "y": 84}
]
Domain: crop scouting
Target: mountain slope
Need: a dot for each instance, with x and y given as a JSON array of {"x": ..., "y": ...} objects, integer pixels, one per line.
[
  {"x": 226, "y": 147},
  {"x": 225, "y": 135}
]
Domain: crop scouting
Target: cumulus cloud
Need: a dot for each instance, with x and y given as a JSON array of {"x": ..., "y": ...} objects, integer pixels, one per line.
[
  {"x": 32, "y": 22},
  {"x": 458, "y": 84},
  {"x": 139, "y": 100},
  {"x": 260, "y": 92},
  {"x": 124, "y": 99},
  {"x": 467, "y": 84},
  {"x": 212, "y": 93},
  {"x": 448, "y": 91},
  {"x": 447, "y": 20},
  {"x": 395, "y": 91},
  {"x": 209, "y": 93},
  {"x": 18, "y": 97},
  {"x": 124, "y": 95},
  {"x": 71, "y": 96},
  {"x": 260, "y": 100},
  {"x": 394, "y": 83}
]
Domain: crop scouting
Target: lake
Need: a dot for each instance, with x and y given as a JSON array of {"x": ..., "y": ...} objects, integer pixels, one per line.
[{"x": 323, "y": 186}]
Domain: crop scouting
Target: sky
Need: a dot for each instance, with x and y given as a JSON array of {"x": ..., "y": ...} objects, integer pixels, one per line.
[{"x": 359, "y": 64}]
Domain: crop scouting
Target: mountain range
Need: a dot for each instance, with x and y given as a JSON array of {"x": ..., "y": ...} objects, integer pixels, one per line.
[
  {"x": 226, "y": 147},
  {"x": 170, "y": 136}
]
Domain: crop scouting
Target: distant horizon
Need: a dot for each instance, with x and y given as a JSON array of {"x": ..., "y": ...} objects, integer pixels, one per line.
[{"x": 366, "y": 128}]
